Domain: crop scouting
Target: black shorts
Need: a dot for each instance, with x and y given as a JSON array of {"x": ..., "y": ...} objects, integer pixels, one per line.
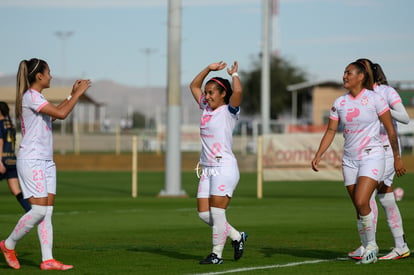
[{"x": 11, "y": 172}]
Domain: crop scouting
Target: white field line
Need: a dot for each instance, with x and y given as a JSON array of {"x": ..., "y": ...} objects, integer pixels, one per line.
[
  {"x": 263, "y": 267},
  {"x": 130, "y": 210}
]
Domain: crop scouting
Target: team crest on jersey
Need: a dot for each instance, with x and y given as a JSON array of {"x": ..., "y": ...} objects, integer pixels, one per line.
[
  {"x": 333, "y": 109},
  {"x": 364, "y": 100}
]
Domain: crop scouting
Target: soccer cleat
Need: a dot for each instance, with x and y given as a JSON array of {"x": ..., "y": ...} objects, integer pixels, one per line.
[
  {"x": 52, "y": 264},
  {"x": 357, "y": 253},
  {"x": 212, "y": 259},
  {"x": 397, "y": 253},
  {"x": 239, "y": 246},
  {"x": 9, "y": 256},
  {"x": 370, "y": 255}
]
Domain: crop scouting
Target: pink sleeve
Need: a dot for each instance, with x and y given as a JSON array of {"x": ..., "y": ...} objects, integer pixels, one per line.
[{"x": 41, "y": 106}]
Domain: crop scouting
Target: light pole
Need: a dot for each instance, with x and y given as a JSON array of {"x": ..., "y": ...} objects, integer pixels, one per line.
[
  {"x": 265, "y": 80},
  {"x": 173, "y": 134},
  {"x": 63, "y": 36},
  {"x": 148, "y": 52}
]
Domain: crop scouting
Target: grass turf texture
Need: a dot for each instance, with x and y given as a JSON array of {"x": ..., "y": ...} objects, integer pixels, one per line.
[{"x": 100, "y": 229}]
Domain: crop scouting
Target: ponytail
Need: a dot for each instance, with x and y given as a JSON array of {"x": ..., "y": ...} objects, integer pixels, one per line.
[
  {"x": 379, "y": 75},
  {"x": 26, "y": 75},
  {"x": 21, "y": 86}
]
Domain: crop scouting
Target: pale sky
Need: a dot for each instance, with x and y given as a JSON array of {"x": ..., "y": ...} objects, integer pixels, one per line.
[{"x": 110, "y": 37}]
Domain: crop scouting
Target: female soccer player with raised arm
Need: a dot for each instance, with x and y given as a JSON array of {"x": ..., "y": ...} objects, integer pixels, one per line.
[
  {"x": 35, "y": 166},
  {"x": 220, "y": 103}
]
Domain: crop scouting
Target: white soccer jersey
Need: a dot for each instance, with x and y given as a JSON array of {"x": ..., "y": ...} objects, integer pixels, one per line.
[
  {"x": 37, "y": 140},
  {"x": 216, "y": 132},
  {"x": 359, "y": 118},
  {"x": 391, "y": 97}
]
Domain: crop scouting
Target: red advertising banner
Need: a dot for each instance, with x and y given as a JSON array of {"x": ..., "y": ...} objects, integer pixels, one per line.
[{"x": 289, "y": 156}]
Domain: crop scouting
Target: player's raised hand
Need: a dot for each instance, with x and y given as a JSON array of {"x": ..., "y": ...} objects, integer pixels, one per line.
[
  {"x": 217, "y": 66},
  {"x": 234, "y": 68},
  {"x": 81, "y": 86}
]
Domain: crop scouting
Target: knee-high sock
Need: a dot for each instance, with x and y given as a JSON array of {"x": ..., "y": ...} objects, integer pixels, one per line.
[
  {"x": 394, "y": 219},
  {"x": 374, "y": 208},
  {"x": 361, "y": 232},
  {"x": 25, "y": 224},
  {"x": 220, "y": 230},
  {"x": 206, "y": 217},
  {"x": 45, "y": 233},
  {"x": 360, "y": 226},
  {"x": 368, "y": 224}
]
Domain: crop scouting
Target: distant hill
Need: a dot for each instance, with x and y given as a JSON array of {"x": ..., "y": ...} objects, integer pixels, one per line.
[{"x": 121, "y": 100}]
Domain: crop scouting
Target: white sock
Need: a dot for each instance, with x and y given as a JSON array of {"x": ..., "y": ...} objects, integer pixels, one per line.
[
  {"x": 368, "y": 224},
  {"x": 234, "y": 234},
  {"x": 374, "y": 208},
  {"x": 394, "y": 219},
  {"x": 221, "y": 229},
  {"x": 45, "y": 233},
  {"x": 25, "y": 224},
  {"x": 206, "y": 217},
  {"x": 361, "y": 232}
]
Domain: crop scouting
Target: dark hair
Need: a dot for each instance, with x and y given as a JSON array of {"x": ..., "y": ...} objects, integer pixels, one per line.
[
  {"x": 365, "y": 68},
  {"x": 223, "y": 85},
  {"x": 5, "y": 111},
  {"x": 378, "y": 73},
  {"x": 26, "y": 75}
]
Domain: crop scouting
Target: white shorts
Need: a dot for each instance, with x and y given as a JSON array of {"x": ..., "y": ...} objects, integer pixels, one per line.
[
  {"x": 37, "y": 177},
  {"x": 218, "y": 181},
  {"x": 372, "y": 165},
  {"x": 389, "y": 172}
]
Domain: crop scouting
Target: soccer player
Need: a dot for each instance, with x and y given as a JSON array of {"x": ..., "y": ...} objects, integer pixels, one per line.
[
  {"x": 8, "y": 169},
  {"x": 35, "y": 166},
  {"x": 385, "y": 192},
  {"x": 360, "y": 112},
  {"x": 220, "y": 103}
]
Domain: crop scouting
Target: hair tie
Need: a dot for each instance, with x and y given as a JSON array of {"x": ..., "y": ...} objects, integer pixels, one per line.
[
  {"x": 220, "y": 83},
  {"x": 364, "y": 65},
  {"x": 35, "y": 67}
]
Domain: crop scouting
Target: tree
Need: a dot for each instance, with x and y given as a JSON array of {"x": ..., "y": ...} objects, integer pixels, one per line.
[
  {"x": 282, "y": 74},
  {"x": 138, "y": 120}
]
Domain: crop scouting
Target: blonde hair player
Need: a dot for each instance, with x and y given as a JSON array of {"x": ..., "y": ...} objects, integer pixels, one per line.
[
  {"x": 219, "y": 177},
  {"x": 35, "y": 166}
]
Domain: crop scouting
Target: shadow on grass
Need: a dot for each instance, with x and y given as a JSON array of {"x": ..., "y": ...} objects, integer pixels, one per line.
[
  {"x": 160, "y": 251},
  {"x": 23, "y": 262},
  {"x": 269, "y": 252}
]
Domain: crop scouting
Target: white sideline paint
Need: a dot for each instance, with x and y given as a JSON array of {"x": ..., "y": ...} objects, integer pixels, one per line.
[{"x": 263, "y": 267}]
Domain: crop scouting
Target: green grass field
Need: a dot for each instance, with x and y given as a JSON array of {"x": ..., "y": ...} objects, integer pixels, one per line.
[{"x": 297, "y": 228}]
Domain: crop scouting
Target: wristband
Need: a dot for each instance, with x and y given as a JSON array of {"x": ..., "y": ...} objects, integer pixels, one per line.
[
  {"x": 69, "y": 97},
  {"x": 234, "y": 74}
]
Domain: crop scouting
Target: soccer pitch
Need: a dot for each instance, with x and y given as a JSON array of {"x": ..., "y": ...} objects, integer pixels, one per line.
[{"x": 298, "y": 227}]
